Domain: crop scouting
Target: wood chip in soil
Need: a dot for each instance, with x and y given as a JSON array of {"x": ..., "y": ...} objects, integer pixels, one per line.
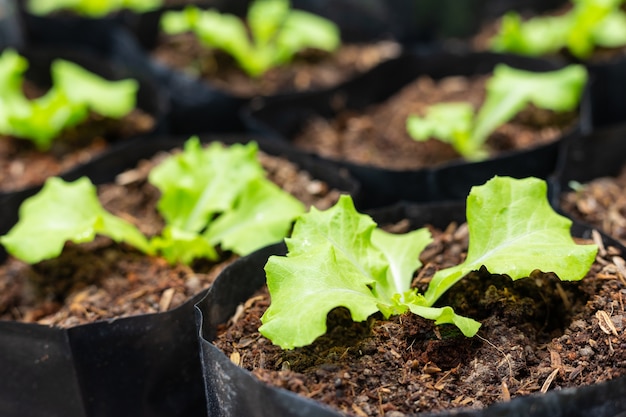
[
  {"x": 310, "y": 69},
  {"x": 104, "y": 280},
  {"x": 537, "y": 334},
  {"x": 600, "y": 203},
  {"x": 377, "y": 136}
]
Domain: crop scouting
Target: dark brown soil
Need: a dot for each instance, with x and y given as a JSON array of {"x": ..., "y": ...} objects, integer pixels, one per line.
[
  {"x": 22, "y": 165},
  {"x": 601, "y": 203},
  {"x": 310, "y": 70},
  {"x": 537, "y": 334},
  {"x": 378, "y": 136},
  {"x": 103, "y": 280}
]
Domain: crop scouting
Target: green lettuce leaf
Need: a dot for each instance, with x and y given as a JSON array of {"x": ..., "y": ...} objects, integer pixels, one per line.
[
  {"x": 46, "y": 117},
  {"x": 12, "y": 100},
  {"x": 219, "y": 196},
  {"x": 199, "y": 183},
  {"x": 612, "y": 32},
  {"x": 66, "y": 104},
  {"x": 303, "y": 30},
  {"x": 113, "y": 99},
  {"x": 588, "y": 24},
  {"x": 440, "y": 315},
  {"x": 64, "y": 212},
  {"x": 265, "y": 19},
  {"x": 514, "y": 231},
  {"x": 337, "y": 258},
  {"x": 177, "y": 245},
  {"x": 450, "y": 123},
  {"x": 297, "y": 315},
  {"x": 91, "y": 8},
  {"x": 535, "y": 37},
  {"x": 271, "y": 35},
  {"x": 401, "y": 256},
  {"x": 263, "y": 214},
  {"x": 209, "y": 196},
  {"x": 509, "y": 91}
]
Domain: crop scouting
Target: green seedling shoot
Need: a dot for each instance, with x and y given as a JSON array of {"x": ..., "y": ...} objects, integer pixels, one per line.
[
  {"x": 587, "y": 25},
  {"x": 339, "y": 258},
  {"x": 508, "y": 91},
  {"x": 209, "y": 196},
  {"x": 271, "y": 35},
  {"x": 74, "y": 93},
  {"x": 91, "y": 8}
]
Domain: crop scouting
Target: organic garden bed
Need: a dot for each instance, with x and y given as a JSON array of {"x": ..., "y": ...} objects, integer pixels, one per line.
[
  {"x": 104, "y": 280},
  {"x": 537, "y": 334}
]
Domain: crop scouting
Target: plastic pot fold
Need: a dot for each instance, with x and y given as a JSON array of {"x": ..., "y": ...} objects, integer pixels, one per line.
[
  {"x": 597, "y": 154},
  {"x": 146, "y": 365},
  {"x": 608, "y": 91}
]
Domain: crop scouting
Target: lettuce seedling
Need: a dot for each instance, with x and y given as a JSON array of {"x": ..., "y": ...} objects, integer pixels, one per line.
[
  {"x": 338, "y": 258},
  {"x": 508, "y": 92},
  {"x": 272, "y": 34},
  {"x": 589, "y": 24},
  {"x": 222, "y": 196},
  {"x": 91, "y": 8},
  {"x": 209, "y": 196},
  {"x": 75, "y": 91}
]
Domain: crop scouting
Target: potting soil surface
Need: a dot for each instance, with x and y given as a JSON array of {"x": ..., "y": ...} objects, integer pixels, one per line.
[{"x": 537, "y": 334}]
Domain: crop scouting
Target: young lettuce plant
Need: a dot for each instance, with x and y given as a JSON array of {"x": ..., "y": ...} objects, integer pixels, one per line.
[
  {"x": 338, "y": 258},
  {"x": 209, "y": 196},
  {"x": 75, "y": 91},
  {"x": 91, "y": 8},
  {"x": 587, "y": 25},
  {"x": 508, "y": 91},
  {"x": 272, "y": 34}
]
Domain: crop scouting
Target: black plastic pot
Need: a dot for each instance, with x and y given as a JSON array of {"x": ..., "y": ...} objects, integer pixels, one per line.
[
  {"x": 145, "y": 365},
  {"x": 233, "y": 391},
  {"x": 406, "y": 21},
  {"x": 608, "y": 91},
  {"x": 282, "y": 119},
  {"x": 598, "y": 154},
  {"x": 11, "y": 34}
]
